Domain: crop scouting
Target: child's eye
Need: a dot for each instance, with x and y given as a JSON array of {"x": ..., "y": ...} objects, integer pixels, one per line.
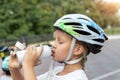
[{"x": 61, "y": 42}]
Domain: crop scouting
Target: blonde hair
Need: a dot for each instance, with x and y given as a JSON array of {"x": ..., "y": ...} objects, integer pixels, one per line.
[{"x": 84, "y": 54}]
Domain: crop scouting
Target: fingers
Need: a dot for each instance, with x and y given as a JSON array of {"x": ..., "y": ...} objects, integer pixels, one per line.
[
  {"x": 30, "y": 56},
  {"x": 13, "y": 62},
  {"x": 31, "y": 48}
]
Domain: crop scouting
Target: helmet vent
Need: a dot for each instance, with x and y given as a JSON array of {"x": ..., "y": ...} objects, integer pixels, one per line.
[
  {"x": 93, "y": 29},
  {"x": 78, "y": 27},
  {"x": 73, "y": 23},
  {"x": 82, "y": 32},
  {"x": 66, "y": 18},
  {"x": 84, "y": 19},
  {"x": 99, "y": 40},
  {"x": 106, "y": 38}
]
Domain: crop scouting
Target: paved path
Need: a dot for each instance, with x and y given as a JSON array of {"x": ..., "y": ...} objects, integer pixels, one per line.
[
  {"x": 103, "y": 66},
  {"x": 106, "y": 65}
]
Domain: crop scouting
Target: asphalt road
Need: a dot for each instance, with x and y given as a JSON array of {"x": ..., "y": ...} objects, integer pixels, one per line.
[
  {"x": 106, "y": 65},
  {"x": 102, "y": 66}
]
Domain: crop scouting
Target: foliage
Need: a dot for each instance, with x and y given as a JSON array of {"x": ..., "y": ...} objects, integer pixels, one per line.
[
  {"x": 112, "y": 31},
  {"x": 33, "y": 17},
  {"x": 108, "y": 12}
]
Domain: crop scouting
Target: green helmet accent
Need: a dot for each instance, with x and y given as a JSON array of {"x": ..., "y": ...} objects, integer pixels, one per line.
[{"x": 68, "y": 28}]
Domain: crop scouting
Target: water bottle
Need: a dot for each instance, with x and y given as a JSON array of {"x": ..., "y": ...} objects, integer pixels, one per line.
[{"x": 46, "y": 51}]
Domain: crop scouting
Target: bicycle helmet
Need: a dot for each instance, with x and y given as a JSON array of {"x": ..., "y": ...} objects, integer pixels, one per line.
[{"x": 84, "y": 29}]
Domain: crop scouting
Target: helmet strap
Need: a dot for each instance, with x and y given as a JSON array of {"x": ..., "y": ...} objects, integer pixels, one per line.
[
  {"x": 71, "y": 53},
  {"x": 67, "y": 61},
  {"x": 71, "y": 49},
  {"x": 74, "y": 61}
]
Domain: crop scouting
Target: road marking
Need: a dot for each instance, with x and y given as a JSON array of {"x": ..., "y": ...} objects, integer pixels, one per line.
[{"x": 106, "y": 75}]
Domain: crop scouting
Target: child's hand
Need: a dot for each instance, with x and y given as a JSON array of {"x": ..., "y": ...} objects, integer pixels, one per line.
[
  {"x": 13, "y": 61},
  {"x": 31, "y": 56}
]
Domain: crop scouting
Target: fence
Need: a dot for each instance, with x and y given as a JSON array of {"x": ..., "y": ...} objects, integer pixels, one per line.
[{"x": 29, "y": 40}]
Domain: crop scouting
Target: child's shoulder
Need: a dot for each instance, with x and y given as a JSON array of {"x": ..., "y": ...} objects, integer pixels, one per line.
[
  {"x": 79, "y": 73},
  {"x": 75, "y": 75}
]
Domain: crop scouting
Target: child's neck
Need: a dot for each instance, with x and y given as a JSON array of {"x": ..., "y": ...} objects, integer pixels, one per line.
[{"x": 70, "y": 68}]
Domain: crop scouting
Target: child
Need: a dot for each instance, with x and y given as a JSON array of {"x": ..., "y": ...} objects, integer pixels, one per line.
[
  {"x": 76, "y": 35},
  {"x": 6, "y": 73}
]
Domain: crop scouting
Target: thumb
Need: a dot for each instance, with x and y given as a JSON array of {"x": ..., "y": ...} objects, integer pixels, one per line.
[
  {"x": 39, "y": 53},
  {"x": 13, "y": 55}
]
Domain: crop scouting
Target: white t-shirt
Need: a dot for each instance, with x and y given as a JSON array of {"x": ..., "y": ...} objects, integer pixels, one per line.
[
  {"x": 75, "y": 75},
  {"x": 5, "y": 77}
]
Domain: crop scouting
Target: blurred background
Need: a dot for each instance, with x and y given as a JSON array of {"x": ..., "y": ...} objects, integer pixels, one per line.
[{"x": 31, "y": 21}]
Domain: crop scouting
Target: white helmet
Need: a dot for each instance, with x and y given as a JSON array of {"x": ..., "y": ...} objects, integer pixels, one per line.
[{"x": 83, "y": 29}]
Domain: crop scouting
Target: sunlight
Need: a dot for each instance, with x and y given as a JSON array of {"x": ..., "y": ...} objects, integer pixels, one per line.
[
  {"x": 112, "y": 0},
  {"x": 119, "y": 12}
]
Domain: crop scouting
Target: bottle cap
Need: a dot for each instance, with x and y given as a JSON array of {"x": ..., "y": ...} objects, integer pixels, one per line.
[{"x": 19, "y": 45}]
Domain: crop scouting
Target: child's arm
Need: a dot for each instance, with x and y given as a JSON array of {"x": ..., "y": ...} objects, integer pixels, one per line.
[
  {"x": 16, "y": 74},
  {"x": 14, "y": 68},
  {"x": 30, "y": 58},
  {"x": 29, "y": 73}
]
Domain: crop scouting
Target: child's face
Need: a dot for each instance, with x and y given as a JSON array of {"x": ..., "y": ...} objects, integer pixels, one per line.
[{"x": 61, "y": 45}]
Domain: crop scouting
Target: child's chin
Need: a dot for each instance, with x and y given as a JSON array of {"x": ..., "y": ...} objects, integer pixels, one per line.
[{"x": 55, "y": 59}]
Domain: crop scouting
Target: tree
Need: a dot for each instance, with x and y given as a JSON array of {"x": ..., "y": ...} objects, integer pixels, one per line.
[
  {"x": 33, "y": 17},
  {"x": 108, "y": 11},
  {"x": 27, "y": 19}
]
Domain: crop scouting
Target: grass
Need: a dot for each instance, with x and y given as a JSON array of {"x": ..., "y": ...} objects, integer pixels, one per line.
[{"x": 112, "y": 31}]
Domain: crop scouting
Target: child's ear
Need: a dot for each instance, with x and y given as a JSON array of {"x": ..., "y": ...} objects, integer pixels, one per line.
[{"x": 78, "y": 50}]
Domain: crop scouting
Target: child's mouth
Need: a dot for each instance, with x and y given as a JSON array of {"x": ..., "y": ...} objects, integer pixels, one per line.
[{"x": 52, "y": 53}]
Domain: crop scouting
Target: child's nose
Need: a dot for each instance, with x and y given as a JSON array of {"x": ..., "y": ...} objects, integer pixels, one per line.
[{"x": 54, "y": 44}]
